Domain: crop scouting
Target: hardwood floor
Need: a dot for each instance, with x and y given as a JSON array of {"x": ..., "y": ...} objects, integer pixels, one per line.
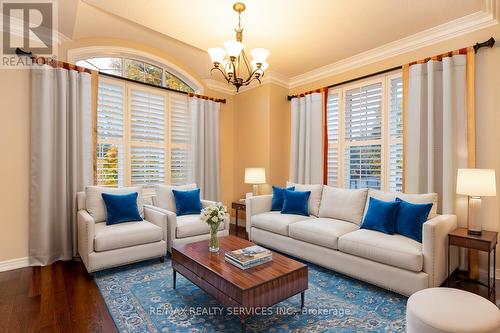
[
  {"x": 62, "y": 298},
  {"x": 56, "y": 298}
]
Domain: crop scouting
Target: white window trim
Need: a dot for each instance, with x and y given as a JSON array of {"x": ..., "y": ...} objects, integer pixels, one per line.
[
  {"x": 73, "y": 55},
  {"x": 126, "y": 141},
  {"x": 385, "y": 140}
]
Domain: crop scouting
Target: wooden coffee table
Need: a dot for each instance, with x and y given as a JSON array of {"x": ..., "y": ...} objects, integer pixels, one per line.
[{"x": 257, "y": 287}]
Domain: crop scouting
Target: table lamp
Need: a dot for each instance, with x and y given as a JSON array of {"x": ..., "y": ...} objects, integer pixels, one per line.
[
  {"x": 475, "y": 183},
  {"x": 255, "y": 176}
]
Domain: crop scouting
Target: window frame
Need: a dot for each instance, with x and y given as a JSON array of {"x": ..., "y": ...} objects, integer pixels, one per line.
[
  {"x": 82, "y": 53},
  {"x": 385, "y": 140},
  {"x": 126, "y": 141}
]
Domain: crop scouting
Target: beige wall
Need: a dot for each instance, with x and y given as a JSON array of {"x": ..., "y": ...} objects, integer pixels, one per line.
[
  {"x": 251, "y": 135},
  {"x": 15, "y": 108},
  {"x": 261, "y": 136}
]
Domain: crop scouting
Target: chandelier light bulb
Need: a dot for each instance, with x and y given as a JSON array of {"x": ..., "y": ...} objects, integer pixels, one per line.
[
  {"x": 233, "y": 48},
  {"x": 263, "y": 66},
  {"x": 260, "y": 55},
  {"x": 217, "y": 54}
]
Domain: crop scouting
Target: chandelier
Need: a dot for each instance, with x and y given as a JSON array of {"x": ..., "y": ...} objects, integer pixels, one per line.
[{"x": 232, "y": 61}]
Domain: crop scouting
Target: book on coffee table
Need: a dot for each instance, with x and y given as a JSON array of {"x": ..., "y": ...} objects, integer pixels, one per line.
[
  {"x": 249, "y": 256},
  {"x": 247, "y": 266}
]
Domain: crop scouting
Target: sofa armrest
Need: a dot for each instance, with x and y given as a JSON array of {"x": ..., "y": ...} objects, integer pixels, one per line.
[
  {"x": 86, "y": 235},
  {"x": 171, "y": 224},
  {"x": 257, "y": 205},
  {"x": 435, "y": 248},
  {"x": 157, "y": 218}
]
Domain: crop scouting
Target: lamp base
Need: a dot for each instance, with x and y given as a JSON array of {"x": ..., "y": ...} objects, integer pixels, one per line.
[
  {"x": 474, "y": 226},
  {"x": 255, "y": 190}
]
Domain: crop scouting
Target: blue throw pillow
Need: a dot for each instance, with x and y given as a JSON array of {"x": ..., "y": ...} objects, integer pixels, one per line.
[
  {"x": 411, "y": 218},
  {"x": 295, "y": 202},
  {"x": 121, "y": 208},
  {"x": 277, "y": 204},
  {"x": 187, "y": 202},
  {"x": 381, "y": 216}
]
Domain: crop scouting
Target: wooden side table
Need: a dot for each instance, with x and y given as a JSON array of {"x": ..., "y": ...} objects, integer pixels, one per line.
[
  {"x": 485, "y": 242},
  {"x": 238, "y": 205}
]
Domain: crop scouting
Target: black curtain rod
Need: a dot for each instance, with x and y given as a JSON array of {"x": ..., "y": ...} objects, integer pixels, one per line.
[
  {"x": 23, "y": 53},
  {"x": 489, "y": 43},
  {"x": 161, "y": 87}
]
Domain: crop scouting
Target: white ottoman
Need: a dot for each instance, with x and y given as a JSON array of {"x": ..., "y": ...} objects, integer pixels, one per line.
[{"x": 438, "y": 310}]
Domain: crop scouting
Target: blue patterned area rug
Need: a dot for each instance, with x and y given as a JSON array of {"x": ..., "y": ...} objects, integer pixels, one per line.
[{"x": 140, "y": 298}]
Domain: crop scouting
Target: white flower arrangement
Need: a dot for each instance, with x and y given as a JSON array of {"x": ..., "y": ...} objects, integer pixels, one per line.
[{"x": 214, "y": 214}]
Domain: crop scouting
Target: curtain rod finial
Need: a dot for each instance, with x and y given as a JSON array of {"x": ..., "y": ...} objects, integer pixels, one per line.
[
  {"x": 489, "y": 43},
  {"x": 20, "y": 52}
]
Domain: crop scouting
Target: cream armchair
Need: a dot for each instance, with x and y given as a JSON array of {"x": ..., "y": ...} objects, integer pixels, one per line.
[
  {"x": 186, "y": 228},
  {"x": 104, "y": 246}
]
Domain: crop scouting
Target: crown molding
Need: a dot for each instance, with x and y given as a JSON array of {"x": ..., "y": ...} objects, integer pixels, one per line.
[
  {"x": 458, "y": 27},
  {"x": 219, "y": 86},
  {"x": 277, "y": 79},
  {"x": 8, "y": 265}
]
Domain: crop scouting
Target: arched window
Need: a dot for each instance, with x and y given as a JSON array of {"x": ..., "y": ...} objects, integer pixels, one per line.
[
  {"x": 143, "y": 133},
  {"x": 137, "y": 70}
]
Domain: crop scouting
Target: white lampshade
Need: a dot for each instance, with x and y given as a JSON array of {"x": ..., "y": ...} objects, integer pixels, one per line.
[
  {"x": 260, "y": 55},
  {"x": 255, "y": 175},
  {"x": 233, "y": 48},
  {"x": 217, "y": 54},
  {"x": 263, "y": 66},
  {"x": 476, "y": 182}
]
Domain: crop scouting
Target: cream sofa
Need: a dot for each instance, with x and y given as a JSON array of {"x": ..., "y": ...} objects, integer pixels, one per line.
[
  {"x": 331, "y": 237},
  {"x": 186, "y": 228},
  {"x": 103, "y": 246}
]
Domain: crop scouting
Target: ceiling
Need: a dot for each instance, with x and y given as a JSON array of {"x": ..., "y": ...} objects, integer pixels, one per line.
[{"x": 301, "y": 35}]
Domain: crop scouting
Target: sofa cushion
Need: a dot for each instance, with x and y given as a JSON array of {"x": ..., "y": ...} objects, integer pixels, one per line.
[
  {"x": 321, "y": 231},
  {"x": 343, "y": 204},
  {"x": 110, "y": 237},
  {"x": 94, "y": 204},
  {"x": 187, "y": 202},
  {"x": 192, "y": 225},
  {"x": 278, "y": 192},
  {"x": 276, "y": 222},
  {"x": 394, "y": 250},
  {"x": 381, "y": 216},
  {"x": 411, "y": 218},
  {"x": 314, "y": 198},
  {"x": 412, "y": 198},
  {"x": 121, "y": 208},
  {"x": 296, "y": 202},
  {"x": 165, "y": 197}
]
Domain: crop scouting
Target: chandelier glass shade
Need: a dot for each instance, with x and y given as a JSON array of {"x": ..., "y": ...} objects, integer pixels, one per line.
[{"x": 233, "y": 62}]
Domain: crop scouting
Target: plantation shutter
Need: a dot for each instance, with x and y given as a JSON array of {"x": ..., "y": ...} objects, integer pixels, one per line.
[
  {"x": 147, "y": 136},
  {"x": 332, "y": 125},
  {"x": 110, "y": 130},
  {"x": 363, "y": 134},
  {"x": 396, "y": 134},
  {"x": 180, "y": 164}
]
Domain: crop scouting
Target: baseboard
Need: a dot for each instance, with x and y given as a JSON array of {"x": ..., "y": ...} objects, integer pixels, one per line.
[{"x": 8, "y": 265}]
